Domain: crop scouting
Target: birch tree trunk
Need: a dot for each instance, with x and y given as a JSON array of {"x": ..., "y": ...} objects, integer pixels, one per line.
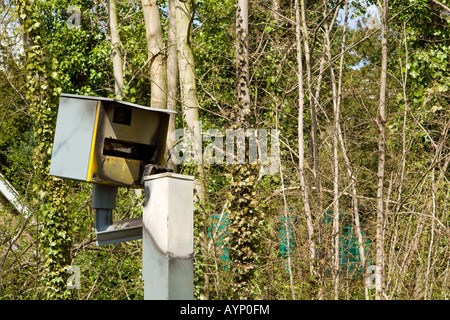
[
  {"x": 155, "y": 44},
  {"x": 115, "y": 52},
  {"x": 301, "y": 142},
  {"x": 336, "y": 113},
  {"x": 379, "y": 290},
  {"x": 313, "y": 141},
  {"x": 314, "y": 138},
  {"x": 186, "y": 69},
  {"x": 190, "y": 106},
  {"x": 172, "y": 77}
]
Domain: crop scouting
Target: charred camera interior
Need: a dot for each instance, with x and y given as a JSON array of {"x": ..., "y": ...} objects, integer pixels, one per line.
[{"x": 129, "y": 150}]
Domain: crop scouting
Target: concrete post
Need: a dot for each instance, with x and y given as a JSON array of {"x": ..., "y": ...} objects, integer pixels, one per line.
[{"x": 168, "y": 237}]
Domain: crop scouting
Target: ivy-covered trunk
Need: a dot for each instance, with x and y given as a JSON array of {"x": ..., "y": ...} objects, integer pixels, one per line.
[
  {"x": 49, "y": 193},
  {"x": 244, "y": 239}
]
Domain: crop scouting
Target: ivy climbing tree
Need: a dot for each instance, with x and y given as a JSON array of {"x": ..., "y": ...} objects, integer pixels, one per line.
[
  {"x": 42, "y": 93},
  {"x": 244, "y": 237}
]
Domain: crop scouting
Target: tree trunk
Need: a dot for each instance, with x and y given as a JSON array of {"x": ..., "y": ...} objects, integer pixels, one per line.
[
  {"x": 187, "y": 75},
  {"x": 314, "y": 129},
  {"x": 381, "y": 153},
  {"x": 186, "y": 69},
  {"x": 172, "y": 78},
  {"x": 336, "y": 113},
  {"x": 301, "y": 142},
  {"x": 115, "y": 52},
  {"x": 156, "y": 54},
  {"x": 189, "y": 101},
  {"x": 53, "y": 238},
  {"x": 313, "y": 144},
  {"x": 242, "y": 63}
]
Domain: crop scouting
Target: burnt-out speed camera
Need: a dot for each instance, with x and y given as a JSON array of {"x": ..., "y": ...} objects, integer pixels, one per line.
[{"x": 107, "y": 141}]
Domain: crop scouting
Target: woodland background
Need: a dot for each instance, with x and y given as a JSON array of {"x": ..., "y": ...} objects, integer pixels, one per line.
[{"x": 359, "y": 91}]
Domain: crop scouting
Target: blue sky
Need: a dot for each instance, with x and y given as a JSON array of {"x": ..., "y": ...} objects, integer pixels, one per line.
[{"x": 352, "y": 18}]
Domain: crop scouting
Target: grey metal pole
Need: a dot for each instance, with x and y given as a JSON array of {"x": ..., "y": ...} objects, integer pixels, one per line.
[
  {"x": 168, "y": 237},
  {"x": 103, "y": 202}
]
